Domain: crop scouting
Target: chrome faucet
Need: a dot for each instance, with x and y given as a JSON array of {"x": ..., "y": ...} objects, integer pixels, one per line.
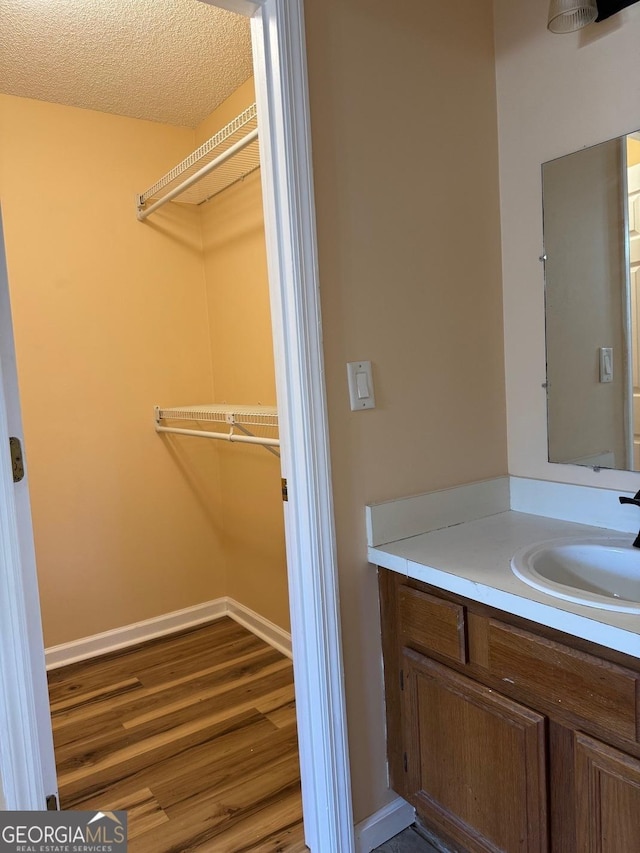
[{"x": 635, "y": 500}]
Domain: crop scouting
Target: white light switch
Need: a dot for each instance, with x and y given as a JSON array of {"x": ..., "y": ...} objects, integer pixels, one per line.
[
  {"x": 606, "y": 364},
  {"x": 362, "y": 385},
  {"x": 360, "y": 378}
]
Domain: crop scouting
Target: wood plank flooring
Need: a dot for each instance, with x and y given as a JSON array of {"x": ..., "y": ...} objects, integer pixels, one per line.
[{"x": 193, "y": 734}]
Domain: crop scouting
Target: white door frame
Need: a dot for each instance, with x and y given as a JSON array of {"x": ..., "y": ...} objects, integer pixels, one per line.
[
  {"x": 285, "y": 138},
  {"x": 283, "y": 110},
  {"x": 27, "y": 763}
]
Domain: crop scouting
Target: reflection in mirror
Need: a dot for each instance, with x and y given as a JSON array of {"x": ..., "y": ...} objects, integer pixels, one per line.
[{"x": 591, "y": 203}]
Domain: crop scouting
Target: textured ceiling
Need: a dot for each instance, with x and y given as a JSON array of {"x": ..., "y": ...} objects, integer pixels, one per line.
[{"x": 172, "y": 61}]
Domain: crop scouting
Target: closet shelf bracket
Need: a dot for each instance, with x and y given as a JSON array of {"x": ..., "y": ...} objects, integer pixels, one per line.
[{"x": 234, "y": 417}]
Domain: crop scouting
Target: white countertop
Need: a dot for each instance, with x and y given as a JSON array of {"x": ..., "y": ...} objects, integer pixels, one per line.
[{"x": 472, "y": 559}]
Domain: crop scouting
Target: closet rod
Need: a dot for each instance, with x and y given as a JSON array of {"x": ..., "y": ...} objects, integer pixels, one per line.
[
  {"x": 224, "y": 436},
  {"x": 193, "y": 179}
]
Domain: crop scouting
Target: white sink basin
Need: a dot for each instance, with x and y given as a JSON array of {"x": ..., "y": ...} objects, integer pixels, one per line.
[{"x": 600, "y": 572}]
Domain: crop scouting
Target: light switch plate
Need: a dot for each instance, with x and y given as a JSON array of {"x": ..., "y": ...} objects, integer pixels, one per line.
[
  {"x": 361, "y": 394},
  {"x": 606, "y": 364}
]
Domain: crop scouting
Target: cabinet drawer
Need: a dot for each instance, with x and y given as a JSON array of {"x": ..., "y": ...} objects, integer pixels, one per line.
[
  {"x": 432, "y": 624},
  {"x": 579, "y": 685}
]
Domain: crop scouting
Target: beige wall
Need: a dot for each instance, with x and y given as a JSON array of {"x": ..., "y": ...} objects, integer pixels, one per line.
[
  {"x": 556, "y": 94},
  {"x": 409, "y": 261},
  {"x": 243, "y": 372},
  {"x": 409, "y": 258},
  {"x": 110, "y": 319},
  {"x": 113, "y": 316}
]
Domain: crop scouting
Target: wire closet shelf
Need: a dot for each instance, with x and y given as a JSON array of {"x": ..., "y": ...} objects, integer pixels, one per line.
[
  {"x": 227, "y": 157},
  {"x": 247, "y": 419}
]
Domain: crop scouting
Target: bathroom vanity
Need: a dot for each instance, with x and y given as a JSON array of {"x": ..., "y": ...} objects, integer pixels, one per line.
[
  {"x": 505, "y": 735},
  {"x": 510, "y": 629},
  {"x": 513, "y": 718}
]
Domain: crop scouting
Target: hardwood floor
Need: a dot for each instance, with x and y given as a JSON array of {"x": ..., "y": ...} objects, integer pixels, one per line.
[{"x": 193, "y": 734}]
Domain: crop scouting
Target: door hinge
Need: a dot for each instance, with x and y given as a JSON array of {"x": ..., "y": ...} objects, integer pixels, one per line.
[
  {"x": 406, "y": 763},
  {"x": 52, "y": 803},
  {"x": 285, "y": 490},
  {"x": 16, "y": 459}
]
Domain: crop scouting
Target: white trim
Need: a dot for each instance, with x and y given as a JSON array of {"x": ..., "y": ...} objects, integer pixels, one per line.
[
  {"x": 390, "y": 521},
  {"x": 261, "y": 627},
  {"x": 22, "y": 755},
  {"x": 287, "y": 181},
  {"x": 20, "y": 765},
  {"x": 168, "y": 623},
  {"x": 137, "y": 632},
  {"x": 383, "y": 825}
]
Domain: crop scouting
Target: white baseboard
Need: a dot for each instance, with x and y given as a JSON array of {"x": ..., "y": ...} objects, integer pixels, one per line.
[
  {"x": 261, "y": 627},
  {"x": 383, "y": 825},
  {"x": 168, "y": 623}
]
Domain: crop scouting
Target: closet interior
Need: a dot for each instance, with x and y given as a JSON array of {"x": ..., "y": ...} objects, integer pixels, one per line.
[
  {"x": 230, "y": 155},
  {"x": 142, "y": 322}
]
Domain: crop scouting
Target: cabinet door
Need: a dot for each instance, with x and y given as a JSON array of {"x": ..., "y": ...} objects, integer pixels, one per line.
[
  {"x": 475, "y": 761},
  {"x": 607, "y": 798}
]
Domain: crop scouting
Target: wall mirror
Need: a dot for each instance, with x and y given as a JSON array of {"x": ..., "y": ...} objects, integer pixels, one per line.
[{"x": 591, "y": 209}]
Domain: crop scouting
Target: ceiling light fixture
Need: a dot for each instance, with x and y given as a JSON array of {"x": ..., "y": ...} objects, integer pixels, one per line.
[{"x": 566, "y": 16}]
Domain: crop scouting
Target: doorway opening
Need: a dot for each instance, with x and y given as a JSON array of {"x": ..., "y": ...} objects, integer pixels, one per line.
[
  {"x": 327, "y": 811},
  {"x": 139, "y": 532}
]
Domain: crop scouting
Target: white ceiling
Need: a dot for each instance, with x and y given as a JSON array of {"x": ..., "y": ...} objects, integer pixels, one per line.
[{"x": 172, "y": 61}]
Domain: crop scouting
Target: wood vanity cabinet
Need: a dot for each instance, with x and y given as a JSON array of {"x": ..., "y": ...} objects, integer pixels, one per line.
[{"x": 505, "y": 735}]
